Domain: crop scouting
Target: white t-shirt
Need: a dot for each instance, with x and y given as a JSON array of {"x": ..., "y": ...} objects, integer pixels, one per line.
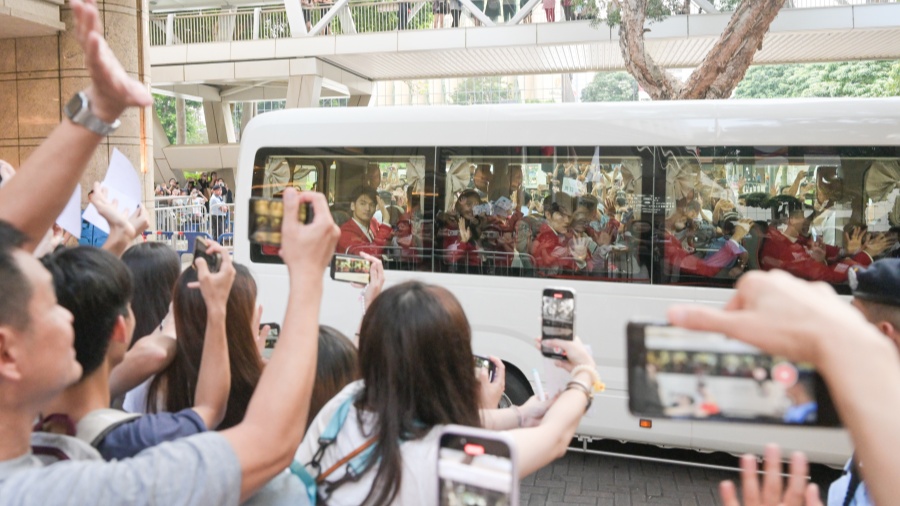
[{"x": 419, "y": 484}]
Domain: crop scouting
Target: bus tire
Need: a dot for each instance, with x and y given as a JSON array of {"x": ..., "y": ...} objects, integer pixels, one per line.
[{"x": 518, "y": 390}]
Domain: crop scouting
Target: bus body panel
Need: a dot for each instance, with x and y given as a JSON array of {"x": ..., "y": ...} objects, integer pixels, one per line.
[{"x": 504, "y": 312}]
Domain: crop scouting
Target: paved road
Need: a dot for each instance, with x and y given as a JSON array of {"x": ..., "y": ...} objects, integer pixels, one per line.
[
  {"x": 580, "y": 478},
  {"x": 593, "y": 479}
]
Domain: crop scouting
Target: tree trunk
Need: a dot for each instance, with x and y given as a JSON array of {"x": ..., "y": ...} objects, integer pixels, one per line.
[
  {"x": 656, "y": 81},
  {"x": 722, "y": 68}
]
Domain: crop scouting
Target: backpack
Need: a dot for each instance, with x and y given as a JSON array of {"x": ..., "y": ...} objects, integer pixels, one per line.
[
  {"x": 357, "y": 461},
  {"x": 80, "y": 442}
]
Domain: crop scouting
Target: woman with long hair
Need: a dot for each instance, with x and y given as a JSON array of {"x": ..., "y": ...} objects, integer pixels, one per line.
[
  {"x": 154, "y": 268},
  {"x": 416, "y": 363},
  {"x": 172, "y": 389}
]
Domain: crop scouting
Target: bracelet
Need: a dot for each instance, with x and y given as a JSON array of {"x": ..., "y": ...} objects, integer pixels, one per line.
[
  {"x": 518, "y": 415},
  {"x": 596, "y": 384},
  {"x": 586, "y": 390}
]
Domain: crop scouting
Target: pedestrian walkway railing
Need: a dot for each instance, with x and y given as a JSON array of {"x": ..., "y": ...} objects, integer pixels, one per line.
[
  {"x": 351, "y": 16},
  {"x": 174, "y": 219}
]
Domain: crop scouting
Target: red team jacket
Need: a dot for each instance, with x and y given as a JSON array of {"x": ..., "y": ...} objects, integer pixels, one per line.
[
  {"x": 353, "y": 241},
  {"x": 779, "y": 252}
]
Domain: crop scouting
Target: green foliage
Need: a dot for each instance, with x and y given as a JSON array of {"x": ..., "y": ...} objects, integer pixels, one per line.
[
  {"x": 610, "y": 87},
  {"x": 484, "y": 90},
  {"x": 194, "y": 132},
  {"x": 840, "y": 79}
]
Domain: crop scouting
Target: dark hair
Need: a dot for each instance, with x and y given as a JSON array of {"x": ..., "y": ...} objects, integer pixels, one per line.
[
  {"x": 16, "y": 288},
  {"x": 417, "y": 371},
  {"x": 467, "y": 194},
  {"x": 154, "y": 268},
  {"x": 526, "y": 198},
  {"x": 359, "y": 191},
  {"x": 559, "y": 202},
  {"x": 589, "y": 202},
  {"x": 95, "y": 286},
  {"x": 180, "y": 377},
  {"x": 337, "y": 365}
]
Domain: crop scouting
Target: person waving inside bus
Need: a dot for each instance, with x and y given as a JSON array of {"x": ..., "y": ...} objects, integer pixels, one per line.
[{"x": 362, "y": 233}]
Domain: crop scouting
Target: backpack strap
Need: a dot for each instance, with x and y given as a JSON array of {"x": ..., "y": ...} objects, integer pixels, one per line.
[{"x": 97, "y": 424}]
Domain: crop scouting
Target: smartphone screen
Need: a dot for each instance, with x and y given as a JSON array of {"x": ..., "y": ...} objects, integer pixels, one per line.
[
  {"x": 350, "y": 268},
  {"x": 557, "y": 318},
  {"x": 485, "y": 363},
  {"x": 476, "y": 466},
  {"x": 212, "y": 261},
  {"x": 678, "y": 373},
  {"x": 271, "y": 339}
]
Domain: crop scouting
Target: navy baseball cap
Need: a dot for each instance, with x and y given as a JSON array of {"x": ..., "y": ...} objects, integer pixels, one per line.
[{"x": 880, "y": 282}]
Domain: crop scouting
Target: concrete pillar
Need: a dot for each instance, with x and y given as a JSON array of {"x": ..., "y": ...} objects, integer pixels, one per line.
[
  {"x": 219, "y": 122},
  {"x": 38, "y": 75},
  {"x": 359, "y": 100},
  {"x": 304, "y": 91},
  {"x": 248, "y": 112}
]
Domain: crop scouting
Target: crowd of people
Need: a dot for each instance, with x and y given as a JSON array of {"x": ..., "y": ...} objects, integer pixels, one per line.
[{"x": 212, "y": 422}]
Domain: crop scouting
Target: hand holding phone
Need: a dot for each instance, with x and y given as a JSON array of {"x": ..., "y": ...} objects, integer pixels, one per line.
[
  {"x": 265, "y": 220},
  {"x": 678, "y": 373},
  {"x": 557, "y": 318},
  {"x": 350, "y": 269},
  {"x": 477, "y": 466},
  {"x": 485, "y": 363},
  {"x": 213, "y": 260}
]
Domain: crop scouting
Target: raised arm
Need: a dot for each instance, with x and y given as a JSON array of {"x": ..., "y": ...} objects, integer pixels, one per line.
[
  {"x": 214, "y": 377},
  {"x": 266, "y": 440},
  {"x": 56, "y": 166},
  {"x": 123, "y": 229},
  {"x": 538, "y": 446},
  {"x": 860, "y": 366}
]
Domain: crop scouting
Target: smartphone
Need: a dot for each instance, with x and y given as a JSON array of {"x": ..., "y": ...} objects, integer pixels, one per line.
[
  {"x": 557, "y": 318},
  {"x": 265, "y": 220},
  {"x": 350, "y": 268},
  {"x": 274, "y": 332},
  {"x": 477, "y": 466},
  {"x": 212, "y": 261},
  {"x": 485, "y": 363},
  {"x": 684, "y": 374}
]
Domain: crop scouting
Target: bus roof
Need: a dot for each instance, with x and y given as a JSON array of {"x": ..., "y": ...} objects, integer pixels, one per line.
[{"x": 798, "y": 122}]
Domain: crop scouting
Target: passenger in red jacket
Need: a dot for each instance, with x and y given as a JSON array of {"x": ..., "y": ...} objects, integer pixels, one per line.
[
  {"x": 461, "y": 230},
  {"x": 553, "y": 249},
  {"x": 794, "y": 252},
  {"x": 362, "y": 233},
  {"x": 679, "y": 260}
]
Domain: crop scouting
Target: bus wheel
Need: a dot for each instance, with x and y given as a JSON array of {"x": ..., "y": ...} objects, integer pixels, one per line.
[{"x": 518, "y": 390}]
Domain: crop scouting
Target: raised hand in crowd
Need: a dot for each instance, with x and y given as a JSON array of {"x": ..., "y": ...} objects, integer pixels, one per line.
[
  {"x": 56, "y": 166},
  {"x": 376, "y": 279},
  {"x": 876, "y": 244},
  {"x": 557, "y": 426},
  {"x": 853, "y": 240},
  {"x": 214, "y": 379},
  {"x": 492, "y": 391},
  {"x": 123, "y": 228},
  {"x": 798, "y": 492},
  {"x": 265, "y": 441},
  {"x": 837, "y": 340}
]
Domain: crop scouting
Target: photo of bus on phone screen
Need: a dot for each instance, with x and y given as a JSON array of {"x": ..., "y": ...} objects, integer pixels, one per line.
[
  {"x": 477, "y": 467},
  {"x": 557, "y": 318},
  {"x": 683, "y": 374},
  {"x": 350, "y": 268}
]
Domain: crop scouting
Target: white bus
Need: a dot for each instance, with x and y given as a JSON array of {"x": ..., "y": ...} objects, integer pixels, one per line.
[{"x": 647, "y": 165}]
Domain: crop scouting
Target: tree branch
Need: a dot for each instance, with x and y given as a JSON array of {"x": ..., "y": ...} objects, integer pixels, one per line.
[
  {"x": 656, "y": 81},
  {"x": 728, "y": 60}
]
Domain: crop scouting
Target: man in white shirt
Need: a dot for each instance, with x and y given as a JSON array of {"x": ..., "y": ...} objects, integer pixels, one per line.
[{"x": 218, "y": 211}]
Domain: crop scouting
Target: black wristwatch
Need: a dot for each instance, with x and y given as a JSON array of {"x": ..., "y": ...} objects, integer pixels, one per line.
[{"x": 79, "y": 111}]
